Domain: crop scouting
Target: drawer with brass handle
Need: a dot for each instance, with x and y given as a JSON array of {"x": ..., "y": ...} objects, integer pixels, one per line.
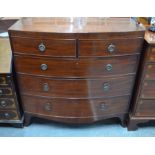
[
  {"x": 72, "y": 68},
  {"x": 75, "y": 107},
  {"x": 44, "y": 47},
  {"x": 7, "y": 103},
  {"x": 109, "y": 47},
  {"x": 75, "y": 88}
]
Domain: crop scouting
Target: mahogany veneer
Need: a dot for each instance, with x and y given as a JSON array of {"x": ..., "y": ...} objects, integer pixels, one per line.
[
  {"x": 76, "y": 88},
  {"x": 76, "y": 70}
]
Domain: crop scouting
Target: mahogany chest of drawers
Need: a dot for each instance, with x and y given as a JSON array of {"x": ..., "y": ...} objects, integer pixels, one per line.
[
  {"x": 10, "y": 111},
  {"x": 76, "y": 70},
  {"x": 143, "y": 109}
]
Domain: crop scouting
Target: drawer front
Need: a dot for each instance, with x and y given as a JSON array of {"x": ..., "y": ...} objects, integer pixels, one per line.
[
  {"x": 7, "y": 103},
  {"x": 145, "y": 108},
  {"x": 152, "y": 54},
  {"x": 44, "y": 47},
  {"x": 5, "y": 80},
  {"x": 148, "y": 89},
  {"x": 75, "y": 107},
  {"x": 77, "y": 68},
  {"x": 5, "y": 91},
  {"x": 109, "y": 47},
  {"x": 8, "y": 115},
  {"x": 150, "y": 71},
  {"x": 80, "y": 88}
]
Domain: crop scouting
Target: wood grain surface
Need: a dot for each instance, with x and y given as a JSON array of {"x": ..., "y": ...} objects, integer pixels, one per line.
[
  {"x": 75, "y": 88},
  {"x": 76, "y": 76},
  {"x": 77, "y": 68},
  {"x": 77, "y": 107}
]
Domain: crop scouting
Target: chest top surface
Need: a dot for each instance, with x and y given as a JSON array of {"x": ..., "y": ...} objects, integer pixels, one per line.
[
  {"x": 77, "y": 25},
  {"x": 5, "y": 56}
]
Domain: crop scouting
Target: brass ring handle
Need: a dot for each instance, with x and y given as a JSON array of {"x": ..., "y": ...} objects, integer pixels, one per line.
[
  {"x": 45, "y": 87},
  {"x": 102, "y": 106},
  {"x": 109, "y": 67},
  {"x": 48, "y": 107},
  {"x": 41, "y": 47},
  {"x": 43, "y": 67},
  {"x": 111, "y": 48},
  {"x": 106, "y": 86}
]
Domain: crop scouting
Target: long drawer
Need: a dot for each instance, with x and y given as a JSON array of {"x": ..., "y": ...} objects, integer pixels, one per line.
[
  {"x": 148, "y": 89},
  {"x": 145, "y": 108},
  {"x": 76, "y": 68},
  {"x": 75, "y": 107},
  {"x": 109, "y": 47},
  {"x": 44, "y": 47},
  {"x": 75, "y": 88}
]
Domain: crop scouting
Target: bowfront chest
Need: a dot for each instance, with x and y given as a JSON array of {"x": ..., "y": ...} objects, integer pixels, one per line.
[{"x": 76, "y": 70}]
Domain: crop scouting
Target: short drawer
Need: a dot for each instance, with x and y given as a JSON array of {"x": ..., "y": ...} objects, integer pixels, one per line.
[
  {"x": 145, "y": 108},
  {"x": 5, "y": 91},
  {"x": 75, "y": 107},
  {"x": 150, "y": 71},
  {"x": 109, "y": 47},
  {"x": 148, "y": 89},
  {"x": 44, "y": 47},
  {"x": 75, "y": 88},
  {"x": 77, "y": 68},
  {"x": 7, "y": 103},
  {"x": 152, "y": 54},
  {"x": 8, "y": 115}
]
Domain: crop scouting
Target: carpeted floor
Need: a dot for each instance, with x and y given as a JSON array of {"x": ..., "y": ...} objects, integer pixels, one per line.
[{"x": 107, "y": 128}]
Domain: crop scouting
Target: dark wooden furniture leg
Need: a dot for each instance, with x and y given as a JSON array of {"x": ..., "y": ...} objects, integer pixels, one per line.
[
  {"x": 123, "y": 120},
  {"x": 27, "y": 120},
  {"x": 132, "y": 125}
]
